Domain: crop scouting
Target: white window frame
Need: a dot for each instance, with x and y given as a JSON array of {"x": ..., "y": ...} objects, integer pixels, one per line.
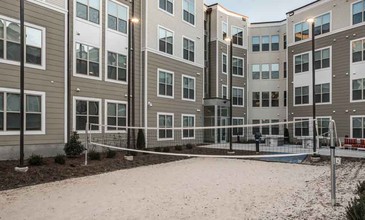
[
  {"x": 107, "y": 20},
  {"x": 243, "y": 129},
  {"x": 43, "y": 111},
  {"x": 87, "y": 20},
  {"x": 158, "y": 83},
  {"x": 243, "y": 36},
  {"x": 75, "y": 74},
  {"x": 310, "y": 125},
  {"x": 309, "y": 96},
  {"x": 182, "y": 49},
  {"x": 182, "y": 88},
  {"x": 44, "y": 49},
  {"x": 109, "y": 101},
  {"x": 158, "y": 126},
  {"x": 224, "y": 23},
  {"x": 352, "y": 125},
  {"x": 187, "y": 128},
  {"x": 158, "y": 40},
  {"x": 330, "y": 57},
  {"x": 309, "y": 62},
  {"x": 322, "y": 117},
  {"x": 351, "y": 53},
  {"x": 243, "y": 96},
  {"x": 106, "y": 69},
  {"x": 330, "y": 93},
  {"x": 320, "y": 15},
  {"x": 309, "y": 32},
  {"x": 352, "y": 15},
  {"x": 243, "y": 67},
  {"x": 182, "y": 13},
  {"x": 226, "y": 87},
  {"x": 173, "y": 8},
  {"x": 75, "y": 98}
]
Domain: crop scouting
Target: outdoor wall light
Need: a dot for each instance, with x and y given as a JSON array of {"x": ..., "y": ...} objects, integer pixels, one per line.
[{"x": 78, "y": 90}]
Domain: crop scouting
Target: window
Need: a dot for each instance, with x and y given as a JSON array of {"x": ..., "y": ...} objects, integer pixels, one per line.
[
  {"x": 224, "y": 63},
  {"x": 302, "y": 63},
  {"x": 165, "y": 121},
  {"x": 166, "y": 41},
  {"x": 87, "y": 110},
  {"x": 285, "y": 98},
  {"x": 167, "y": 5},
  {"x": 275, "y": 71},
  {"x": 117, "y": 67},
  {"x": 358, "y": 127},
  {"x": 265, "y": 97},
  {"x": 237, "y": 66},
  {"x": 88, "y": 10},
  {"x": 323, "y": 126},
  {"x": 301, "y": 127},
  {"x": 302, "y": 95},
  {"x": 265, "y": 43},
  {"x": 301, "y": 31},
  {"x": 322, "y": 59},
  {"x": 117, "y": 17},
  {"x": 237, "y": 95},
  {"x": 256, "y": 99},
  {"x": 10, "y": 43},
  {"x": 87, "y": 60},
  {"x": 224, "y": 30},
  {"x": 275, "y": 129},
  {"x": 256, "y": 129},
  {"x": 285, "y": 70},
  {"x": 358, "y": 89},
  {"x": 265, "y": 129},
  {"x": 189, "y": 49},
  {"x": 285, "y": 41},
  {"x": 237, "y": 35},
  {"x": 189, "y": 11},
  {"x": 237, "y": 131},
  {"x": 358, "y": 51},
  {"x": 256, "y": 71},
  {"x": 322, "y": 93},
  {"x": 10, "y": 111},
  {"x": 322, "y": 24},
  {"x": 116, "y": 116},
  {"x": 255, "y": 43},
  {"x": 165, "y": 84},
  {"x": 358, "y": 12},
  {"x": 274, "y": 99},
  {"x": 275, "y": 42},
  {"x": 265, "y": 71},
  {"x": 224, "y": 92},
  {"x": 188, "y": 88},
  {"x": 188, "y": 122}
]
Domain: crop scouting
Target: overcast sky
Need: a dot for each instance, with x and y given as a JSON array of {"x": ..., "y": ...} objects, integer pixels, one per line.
[{"x": 261, "y": 10}]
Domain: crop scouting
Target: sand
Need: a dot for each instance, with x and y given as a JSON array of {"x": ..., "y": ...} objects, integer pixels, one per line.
[{"x": 190, "y": 189}]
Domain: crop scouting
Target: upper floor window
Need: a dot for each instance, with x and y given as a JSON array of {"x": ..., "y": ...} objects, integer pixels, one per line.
[
  {"x": 166, "y": 41},
  {"x": 224, "y": 30},
  {"x": 87, "y": 60},
  {"x": 274, "y": 99},
  {"x": 302, "y": 95},
  {"x": 117, "y": 67},
  {"x": 302, "y": 63},
  {"x": 358, "y": 12},
  {"x": 224, "y": 92},
  {"x": 224, "y": 63},
  {"x": 285, "y": 98},
  {"x": 256, "y": 71},
  {"x": 237, "y": 96},
  {"x": 237, "y": 35},
  {"x": 322, "y": 93},
  {"x": 358, "y": 89},
  {"x": 117, "y": 17},
  {"x": 265, "y": 43},
  {"x": 237, "y": 66},
  {"x": 189, "y": 11},
  {"x": 167, "y": 5},
  {"x": 358, "y": 51},
  {"x": 165, "y": 84},
  {"x": 285, "y": 70},
  {"x": 285, "y": 41},
  {"x": 116, "y": 116},
  {"x": 322, "y": 59},
  {"x": 256, "y": 99},
  {"x": 265, "y": 96},
  {"x": 322, "y": 24},
  {"x": 301, "y": 31},
  {"x": 188, "y": 88},
  {"x": 87, "y": 110},
  {"x": 255, "y": 43},
  {"x": 275, "y": 42},
  {"x": 88, "y": 10},
  {"x": 189, "y": 49},
  {"x": 275, "y": 71}
]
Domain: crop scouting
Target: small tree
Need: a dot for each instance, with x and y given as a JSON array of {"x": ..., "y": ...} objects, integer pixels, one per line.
[
  {"x": 74, "y": 147},
  {"x": 141, "y": 143}
]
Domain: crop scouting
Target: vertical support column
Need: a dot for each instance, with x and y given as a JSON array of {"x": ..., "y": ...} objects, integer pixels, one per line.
[
  {"x": 333, "y": 164},
  {"x": 22, "y": 98}
]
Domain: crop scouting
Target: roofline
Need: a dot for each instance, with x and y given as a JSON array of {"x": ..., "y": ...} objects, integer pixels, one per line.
[
  {"x": 268, "y": 22},
  {"x": 217, "y": 4},
  {"x": 304, "y": 6}
]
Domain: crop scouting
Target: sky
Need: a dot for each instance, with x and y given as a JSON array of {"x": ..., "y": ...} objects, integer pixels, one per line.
[{"x": 261, "y": 10}]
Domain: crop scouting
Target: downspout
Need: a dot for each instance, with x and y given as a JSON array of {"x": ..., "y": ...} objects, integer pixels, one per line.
[
  {"x": 209, "y": 72},
  {"x": 68, "y": 71}
]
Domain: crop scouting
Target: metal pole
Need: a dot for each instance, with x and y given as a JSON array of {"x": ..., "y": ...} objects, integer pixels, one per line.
[
  {"x": 129, "y": 84},
  {"x": 333, "y": 164},
  {"x": 87, "y": 141},
  {"x": 133, "y": 80},
  {"x": 313, "y": 91},
  {"x": 22, "y": 112},
  {"x": 231, "y": 96},
  {"x": 69, "y": 48}
]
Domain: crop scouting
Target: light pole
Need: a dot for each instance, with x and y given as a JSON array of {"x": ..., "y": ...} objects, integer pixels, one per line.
[
  {"x": 311, "y": 21},
  {"x": 230, "y": 40}
]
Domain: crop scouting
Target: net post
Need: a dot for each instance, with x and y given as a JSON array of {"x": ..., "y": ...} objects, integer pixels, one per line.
[
  {"x": 87, "y": 141},
  {"x": 333, "y": 163}
]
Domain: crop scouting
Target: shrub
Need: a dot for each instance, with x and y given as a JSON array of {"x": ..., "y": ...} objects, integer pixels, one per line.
[
  {"x": 35, "y": 160},
  {"x": 356, "y": 209},
  {"x": 166, "y": 149},
  {"x": 74, "y": 147},
  {"x": 141, "y": 143},
  {"x": 190, "y": 146},
  {"x": 93, "y": 155},
  {"x": 178, "y": 147},
  {"x": 111, "y": 154},
  {"x": 158, "y": 149},
  {"x": 60, "y": 159},
  {"x": 361, "y": 189}
]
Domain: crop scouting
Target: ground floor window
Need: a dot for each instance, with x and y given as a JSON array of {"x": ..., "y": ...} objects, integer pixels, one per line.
[
  {"x": 87, "y": 110},
  {"x": 323, "y": 126},
  {"x": 358, "y": 127},
  {"x": 188, "y": 121},
  {"x": 301, "y": 127},
  {"x": 238, "y": 131},
  {"x": 116, "y": 116},
  {"x": 165, "y": 123}
]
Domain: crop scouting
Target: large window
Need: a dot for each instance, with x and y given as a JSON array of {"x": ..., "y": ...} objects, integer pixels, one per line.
[
  {"x": 358, "y": 127},
  {"x": 167, "y": 5},
  {"x": 10, "y": 111},
  {"x": 302, "y": 63},
  {"x": 256, "y": 99},
  {"x": 358, "y": 12},
  {"x": 87, "y": 110},
  {"x": 301, "y": 31},
  {"x": 275, "y": 71},
  {"x": 301, "y": 127},
  {"x": 358, "y": 89},
  {"x": 265, "y": 43},
  {"x": 256, "y": 43},
  {"x": 188, "y": 88},
  {"x": 224, "y": 63},
  {"x": 275, "y": 42},
  {"x": 238, "y": 131},
  {"x": 10, "y": 43},
  {"x": 189, "y": 11},
  {"x": 256, "y": 71},
  {"x": 116, "y": 116},
  {"x": 188, "y": 121},
  {"x": 358, "y": 51},
  {"x": 322, "y": 93},
  {"x": 189, "y": 49},
  {"x": 323, "y": 126},
  {"x": 322, "y": 59},
  {"x": 165, "y": 84},
  {"x": 166, "y": 41},
  {"x": 322, "y": 24},
  {"x": 117, "y": 67},
  {"x": 88, "y": 10},
  {"x": 237, "y": 35},
  {"x": 117, "y": 17},
  {"x": 165, "y": 123},
  {"x": 237, "y": 97},
  {"x": 237, "y": 66},
  {"x": 87, "y": 60},
  {"x": 302, "y": 95}
]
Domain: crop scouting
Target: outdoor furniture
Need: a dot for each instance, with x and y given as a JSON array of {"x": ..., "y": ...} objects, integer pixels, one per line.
[
  {"x": 354, "y": 143},
  {"x": 307, "y": 141},
  {"x": 274, "y": 140}
]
